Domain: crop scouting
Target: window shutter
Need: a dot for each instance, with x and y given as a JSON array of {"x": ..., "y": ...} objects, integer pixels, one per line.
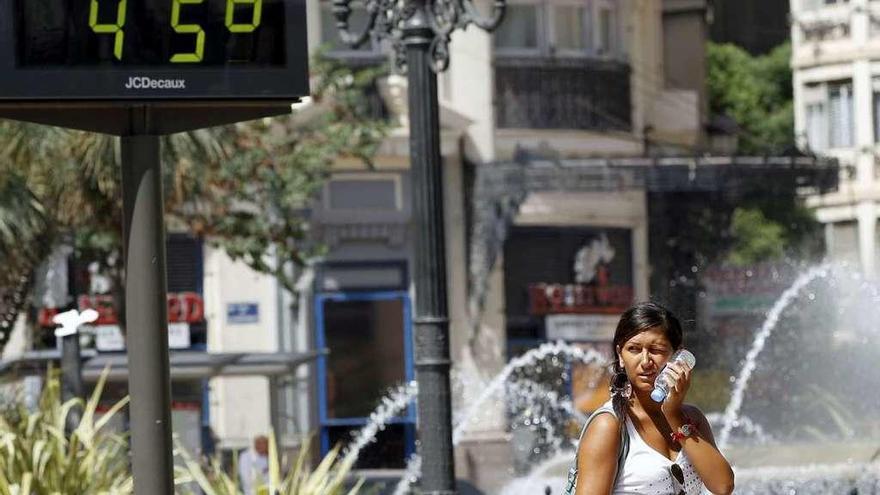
[
  {"x": 816, "y": 129},
  {"x": 184, "y": 262},
  {"x": 840, "y": 117}
]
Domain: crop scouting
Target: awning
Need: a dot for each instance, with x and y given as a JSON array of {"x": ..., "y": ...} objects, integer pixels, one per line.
[
  {"x": 185, "y": 365},
  {"x": 500, "y": 188}
]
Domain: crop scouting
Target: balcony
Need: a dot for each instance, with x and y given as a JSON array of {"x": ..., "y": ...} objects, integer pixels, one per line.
[{"x": 574, "y": 94}]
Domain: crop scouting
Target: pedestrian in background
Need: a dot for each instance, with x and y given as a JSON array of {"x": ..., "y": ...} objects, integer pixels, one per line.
[{"x": 253, "y": 467}]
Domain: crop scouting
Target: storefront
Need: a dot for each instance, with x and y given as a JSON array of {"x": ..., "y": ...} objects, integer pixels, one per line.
[
  {"x": 568, "y": 283},
  {"x": 84, "y": 283}
]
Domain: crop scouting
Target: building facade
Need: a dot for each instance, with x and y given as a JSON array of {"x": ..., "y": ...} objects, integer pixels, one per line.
[
  {"x": 836, "y": 65},
  {"x": 556, "y": 133},
  {"x": 545, "y": 237}
]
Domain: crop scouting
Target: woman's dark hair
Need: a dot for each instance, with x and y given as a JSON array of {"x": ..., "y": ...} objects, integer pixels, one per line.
[
  {"x": 639, "y": 318},
  {"x": 646, "y": 316}
]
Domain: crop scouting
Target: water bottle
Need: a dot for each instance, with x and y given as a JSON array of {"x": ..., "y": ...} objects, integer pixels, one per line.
[{"x": 665, "y": 380}]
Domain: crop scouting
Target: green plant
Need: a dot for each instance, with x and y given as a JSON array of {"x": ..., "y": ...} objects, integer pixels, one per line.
[
  {"x": 328, "y": 478},
  {"x": 42, "y": 453},
  {"x": 37, "y": 457},
  {"x": 756, "y": 91},
  {"x": 755, "y": 238}
]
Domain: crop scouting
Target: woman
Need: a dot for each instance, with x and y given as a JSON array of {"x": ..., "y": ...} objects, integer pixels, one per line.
[{"x": 671, "y": 447}]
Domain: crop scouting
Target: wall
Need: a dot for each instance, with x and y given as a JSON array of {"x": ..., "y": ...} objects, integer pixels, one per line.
[{"x": 239, "y": 405}]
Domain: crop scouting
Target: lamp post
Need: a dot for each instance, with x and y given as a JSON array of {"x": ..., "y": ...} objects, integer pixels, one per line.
[{"x": 419, "y": 31}]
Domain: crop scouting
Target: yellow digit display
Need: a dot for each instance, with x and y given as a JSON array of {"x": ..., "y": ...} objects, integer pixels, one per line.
[
  {"x": 195, "y": 29},
  {"x": 110, "y": 28},
  {"x": 243, "y": 27}
]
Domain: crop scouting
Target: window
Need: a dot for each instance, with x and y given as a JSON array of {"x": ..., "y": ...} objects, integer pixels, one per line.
[
  {"x": 829, "y": 115},
  {"x": 875, "y": 96},
  {"x": 815, "y": 4},
  {"x": 363, "y": 192},
  {"x": 831, "y": 29},
  {"x": 606, "y": 29},
  {"x": 519, "y": 30},
  {"x": 571, "y": 27},
  {"x": 845, "y": 243},
  {"x": 559, "y": 28},
  {"x": 840, "y": 114},
  {"x": 817, "y": 135},
  {"x": 874, "y": 25}
]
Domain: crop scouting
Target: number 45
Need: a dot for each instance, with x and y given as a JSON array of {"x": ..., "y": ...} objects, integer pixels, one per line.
[{"x": 196, "y": 56}]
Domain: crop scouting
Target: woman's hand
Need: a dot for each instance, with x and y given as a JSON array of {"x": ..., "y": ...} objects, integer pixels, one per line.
[{"x": 671, "y": 407}]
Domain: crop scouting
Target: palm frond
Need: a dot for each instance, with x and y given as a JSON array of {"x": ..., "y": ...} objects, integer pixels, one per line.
[
  {"x": 39, "y": 458},
  {"x": 22, "y": 217}
]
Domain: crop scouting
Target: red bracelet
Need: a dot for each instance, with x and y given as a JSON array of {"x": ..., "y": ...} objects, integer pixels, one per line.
[{"x": 685, "y": 430}]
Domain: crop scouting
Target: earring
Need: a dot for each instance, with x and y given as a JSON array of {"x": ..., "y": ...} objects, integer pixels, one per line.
[{"x": 620, "y": 384}]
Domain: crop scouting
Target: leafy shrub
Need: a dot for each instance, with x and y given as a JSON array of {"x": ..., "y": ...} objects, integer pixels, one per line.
[
  {"x": 328, "y": 478},
  {"x": 37, "y": 457}
]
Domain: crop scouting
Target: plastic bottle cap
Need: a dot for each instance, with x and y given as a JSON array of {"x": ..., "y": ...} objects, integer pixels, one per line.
[{"x": 658, "y": 395}]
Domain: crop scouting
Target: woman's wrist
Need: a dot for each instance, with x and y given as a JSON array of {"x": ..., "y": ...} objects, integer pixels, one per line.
[{"x": 675, "y": 417}]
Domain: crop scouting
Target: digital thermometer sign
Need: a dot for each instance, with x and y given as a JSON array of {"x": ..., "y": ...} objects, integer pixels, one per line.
[{"x": 153, "y": 49}]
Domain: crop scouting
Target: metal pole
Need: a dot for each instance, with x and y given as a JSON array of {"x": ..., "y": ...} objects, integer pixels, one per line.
[
  {"x": 146, "y": 309},
  {"x": 71, "y": 376},
  {"x": 431, "y": 315},
  {"x": 275, "y": 412}
]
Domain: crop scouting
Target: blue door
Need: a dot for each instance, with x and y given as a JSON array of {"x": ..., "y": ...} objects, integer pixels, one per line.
[{"x": 369, "y": 339}]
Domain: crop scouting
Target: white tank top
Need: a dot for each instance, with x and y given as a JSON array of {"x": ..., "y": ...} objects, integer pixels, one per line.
[{"x": 646, "y": 471}]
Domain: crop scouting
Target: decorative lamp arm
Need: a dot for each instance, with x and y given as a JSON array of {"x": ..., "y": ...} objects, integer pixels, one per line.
[
  {"x": 390, "y": 20},
  {"x": 499, "y": 8},
  {"x": 342, "y": 11}
]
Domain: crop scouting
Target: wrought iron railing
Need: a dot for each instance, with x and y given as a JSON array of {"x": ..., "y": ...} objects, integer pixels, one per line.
[{"x": 585, "y": 94}]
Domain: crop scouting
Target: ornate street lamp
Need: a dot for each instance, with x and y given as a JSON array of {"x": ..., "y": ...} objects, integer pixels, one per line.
[{"x": 419, "y": 32}]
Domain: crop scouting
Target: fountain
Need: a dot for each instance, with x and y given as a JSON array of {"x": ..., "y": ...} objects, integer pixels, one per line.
[
  {"x": 399, "y": 398},
  {"x": 813, "y": 391},
  {"x": 390, "y": 406},
  {"x": 742, "y": 380},
  {"x": 795, "y": 419}
]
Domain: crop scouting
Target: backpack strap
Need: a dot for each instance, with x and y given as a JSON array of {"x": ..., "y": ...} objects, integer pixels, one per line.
[{"x": 621, "y": 454}]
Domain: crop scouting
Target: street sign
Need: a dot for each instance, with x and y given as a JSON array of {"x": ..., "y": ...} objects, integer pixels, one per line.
[
  {"x": 241, "y": 313},
  {"x": 580, "y": 328},
  {"x": 153, "y": 49},
  {"x": 109, "y": 337}
]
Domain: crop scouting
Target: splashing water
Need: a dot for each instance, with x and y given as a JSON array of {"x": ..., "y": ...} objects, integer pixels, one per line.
[
  {"x": 410, "y": 475},
  {"x": 541, "y": 478},
  {"x": 529, "y": 392},
  {"x": 523, "y": 393},
  {"x": 530, "y": 358},
  {"x": 389, "y": 407},
  {"x": 746, "y": 424},
  {"x": 742, "y": 379},
  {"x": 851, "y": 478}
]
